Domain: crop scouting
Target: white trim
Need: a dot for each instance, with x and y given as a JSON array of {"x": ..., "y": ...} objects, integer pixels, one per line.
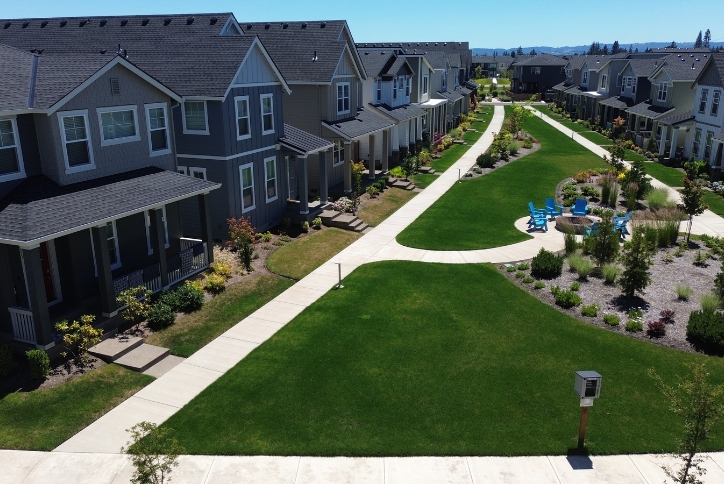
[
  {"x": 89, "y": 145},
  {"x": 148, "y": 108},
  {"x": 114, "y": 109},
  {"x": 425, "y": 89},
  {"x": 16, "y": 175},
  {"x": 266, "y": 179},
  {"x": 357, "y": 63},
  {"x": 270, "y": 96},
  {"x": 225, "y": 158},
  {"x": 348, "y": 97},
  {"x": 239, "y": 136},
  {"x": 249, "y": 166},
  {"x": 206, "y": 117},
  {"x": 256, "y": 84},
  {"x": 341, "y": 149},
  {"x": 283, "y": 82},
  {"x": 193, "y": 170},
  {"x": 182, "y": 170},
  {"x": 166, "y": 241},
  {"x": 301, "y": 83},
  {"x": 231, "y": 22},
  {"x": 147, "y": 220}
]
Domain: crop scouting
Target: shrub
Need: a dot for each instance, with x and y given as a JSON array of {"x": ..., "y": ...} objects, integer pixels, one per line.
[
  {"x": 189, "y": 296},
  {"x": 709, "y": 302},
  {"x": 658, "y": 198},
  {"x": 700, "y": 258},
  {"x": 636, "y": 259},
  {"x": 513, "y": 148},
  {"x": 636, "y": 313},
  {"x": 611, "y": 319},
  {"x": 527, "y": 143},
  {"x": 656, "y": 329},
  {"x": 605, "y": 242},
  {"x": 214, "y": 283},
  {"x": 546, "y": 265},
  {"x": 570, "y": 243},
  {"x": 667, "y": 316},
  {"x": 317, "y": 223},
  {"x": 634, "y": 326},
  {"x": 575, "y": 286},
  {"x": 582, "y": 265},
  {"x": 286, "y": 223},
  {"x": 510, "y": 268},
  {"x": 567, "y": 299},
  {"x": 683, "y": 292},
  {"x": 397, "y": 172},
  {"x": 539, "y": 285},
  {"x": 705, "y": 330},
  {"x": 161, "y": 315},
  {"x": 372, "y": 191},
  {"x": 522, "y": 266},
  {"x": 135, "y": 304},
  {"x": 519, "y": 275},
  {"x": 240, "y": 230},
  {"x": 39, "y": 364},
  {"x": 6, "y": 360},
  {"x": 78, "y": 336},
  {"x": 613, "y": 197},
  {"x": 528, "y": 279},
  {"x": 610, "y": 272},
  {"x": 590, "y": 192},
  {"x": 245, "y": 254},
  {"x": 304, "y": 226},
  {"x": 486, "y": 160},
  {"x": 266, "y": 236},
  {"x": 590, "y": 311},
  {"x": 221, "y": 268}
]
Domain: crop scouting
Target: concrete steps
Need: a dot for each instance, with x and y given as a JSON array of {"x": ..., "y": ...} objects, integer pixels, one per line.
[
  {"x": 427, "y": 170},
  {"x": 142, "y": 358},
  {"x": 404, "y": 184},
  {"x": 344, "y": 221},
  {"x": 109, "y": 350},
  {"x": 163, "y": 366}
]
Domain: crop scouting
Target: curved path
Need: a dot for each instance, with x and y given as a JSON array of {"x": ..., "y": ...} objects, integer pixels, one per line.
[{"x": 93, "y": 455}]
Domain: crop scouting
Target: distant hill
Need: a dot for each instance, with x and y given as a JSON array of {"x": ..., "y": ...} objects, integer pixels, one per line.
[{"x": 581, "y": 49}]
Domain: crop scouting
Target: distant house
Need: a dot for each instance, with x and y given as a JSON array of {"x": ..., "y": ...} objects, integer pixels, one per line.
[
  {"x": 492, "y": 66},
  {"x": 537, "y": 74},
  {"x": 707, "y": 142}
]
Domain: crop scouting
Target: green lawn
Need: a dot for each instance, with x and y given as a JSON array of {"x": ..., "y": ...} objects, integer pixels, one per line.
[
  {"x": 453, "y": 154},
  {"x": 572, "y": 125},
  {"x": 597, "y": 138},
  {"x": 192, "y": 331},
  {"x": 425, "y": 371},
  {"x": 423, "y": 180},
  {"x": 389, "y": 202},
  {"x": 630, "y": 155},
  {"x": 480, "y": 213},
  {"x": 44, "y": 419},
  {"x": 715, "y": 202},
  {"x": 666, "y": 174},
  {"x": 300, "y": 257}
]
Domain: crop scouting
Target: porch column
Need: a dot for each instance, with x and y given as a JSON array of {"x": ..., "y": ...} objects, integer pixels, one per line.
[
  {"x": 674, "y": 142},
  {"x": 158, "y": 240},
  {"x": 348, "y": 167},
  {"x": 37, "y": 298},
  {"x": 105, "y": 276},
  {"x": 372, "y": 162},
  {"x": 303, "y": 178},
  {"x": 205, "y": 223},
  {"x": 323, "y": 178},
  {"x": 419, "y": 129},
  {"x": 385, "y": 151},
  {"x": 662, "y": 142}
]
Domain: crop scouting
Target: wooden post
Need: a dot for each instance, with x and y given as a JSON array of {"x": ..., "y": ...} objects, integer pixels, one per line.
[{"x": 582, "y": 427}]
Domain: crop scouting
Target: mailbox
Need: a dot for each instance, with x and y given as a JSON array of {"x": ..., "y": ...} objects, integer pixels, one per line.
[{"x": 588, "y": 384}]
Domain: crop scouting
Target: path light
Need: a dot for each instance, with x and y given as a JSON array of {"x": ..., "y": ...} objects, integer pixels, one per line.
[
  {"x": 458, "y": 175},
  {"x": 339, "y": 267},
  {"x": 587, "y": 387}
]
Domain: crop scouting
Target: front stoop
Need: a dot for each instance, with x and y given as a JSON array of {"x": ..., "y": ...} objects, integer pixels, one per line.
[
  {"x": 427, "y": 170},
  {"x": 109, "y": 350},
  {"x": 142, "y": 358},
  {"x": 404, "y": 184},
  {"x": 343, "y": 221},
  {"x": 163, "y": 366}
]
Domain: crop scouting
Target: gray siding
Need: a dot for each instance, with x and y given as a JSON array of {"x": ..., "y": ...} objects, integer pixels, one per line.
[{"x": 304, "y": 108}]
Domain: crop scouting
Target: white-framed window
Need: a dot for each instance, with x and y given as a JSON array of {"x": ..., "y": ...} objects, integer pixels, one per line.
[
  {"x": 662, "y": 93},
  {"x": 425, "y": 83},
  {"x": 158, "y": 135},
  {"x": 697, "y": 142},
  {"x": 182, "y": 169},
  {"x": 702, "y": 100},
  {"x": 378, "y": 90},
  {"x": 118, "y": 124},
  {"x": 338, "y": 153},
  {"x": 343, "y": 98},
  {"x": 267, "y": 113},
  {"x": 246, "y": 174},
  {"x": 535, "y": 70},
  {"x": 77, "y": 149},
  {"x": 707, "y": 146},
  {"x": 270, "y": 174},
  {"x": 715, "y": 103},
  {"x": 114, "y": 255},
  {"x": 634, "y": 82},
  {"x": 604, "y": 82},
  {"x": 243, "y": 124},
  {"x": 584, "y": 79},
  {"x": 11, "y": 156},
  {"x": 195, "y": 117},
  {"x": 408, "y": 85},
  {"x": 444, "y": 81},
  {"x": 575, "y": 100},
  {"x": 196, "y": 172},
  {"x": 394, "y": 88}
]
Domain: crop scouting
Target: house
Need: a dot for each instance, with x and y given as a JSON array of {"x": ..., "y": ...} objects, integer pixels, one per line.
[
  {"x": 573, "y": 79},
  {"x": 537, "y": 74},
  {"x": 707, "y": 143},
  {"x": 491, "y": 65},
  {"x": 89, "y": 192}
]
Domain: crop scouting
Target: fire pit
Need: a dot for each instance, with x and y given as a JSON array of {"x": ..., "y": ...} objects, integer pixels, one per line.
[{"x": 576, "y": 225}]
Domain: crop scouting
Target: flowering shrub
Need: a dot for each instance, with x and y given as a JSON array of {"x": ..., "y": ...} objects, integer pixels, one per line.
[
  {"x": 343, "y": 204},
  {"x": 656, "y": 329}
]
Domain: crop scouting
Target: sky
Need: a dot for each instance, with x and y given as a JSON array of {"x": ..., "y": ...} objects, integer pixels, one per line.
[{"x": 484, "y": 24}]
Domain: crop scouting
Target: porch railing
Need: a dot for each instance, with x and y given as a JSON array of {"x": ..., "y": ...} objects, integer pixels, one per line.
[
  {"x": 187, "y": 262},
  {"x": 150, "y": 278},
  {"x": 23, "y": 326},
  {"x": 188, "y": 243}
]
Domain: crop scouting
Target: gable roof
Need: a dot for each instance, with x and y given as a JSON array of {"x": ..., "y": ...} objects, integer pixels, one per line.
[
  {"x": 715, "y": 62},
  {"x": 643, "y": 67},
  {"x": 648, "y": 110},
  {"x": 16, "y": 77},
  {"x": 365, "y": 122},
  {"x": 543, "y": 60},
  {"x": 438, "y": 60},
  {"x": 303, "y": 142},
  {"x": 681, "y": 68},
  {"x": 375, "y": 61}
]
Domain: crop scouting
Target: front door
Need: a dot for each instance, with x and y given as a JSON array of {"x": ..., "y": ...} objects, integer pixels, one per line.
[
  {"x": 50, "y": 271},
  {"x": 292, "y": 178}
]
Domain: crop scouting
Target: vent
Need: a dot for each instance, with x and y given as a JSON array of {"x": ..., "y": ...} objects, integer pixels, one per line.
[
  {"x": 166, "y": 21},
  {"x": 115, "y": 86},
  {"x": 304, "y": 25},
  {"x": 285, "y": 26},
  {"x": 83, "y": 23},
  {"x": 124, "y": 22},
  {"x": 43, "y": 24},
  {"x": 249, "y": 26},
  {"x": 190, "y": 20},
  {"x": 103, "y": 23},
  {"x": 25, "y": 25},
  {"x": 266, "y": 26},
  {"x": 63, "y": 23},
  {"x": 40, "y": 51},
  {"x": 7, "y": 25},
  {"x": 144, "y": 22},
  {"x": 213, "y": 20},
  {"x": 103, "y": 51},
  {"x": 324, "y": 24}
]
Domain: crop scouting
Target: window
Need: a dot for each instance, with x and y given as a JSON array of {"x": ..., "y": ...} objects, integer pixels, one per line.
[
  {"x": 243, "y": 128},
  {"x": 195, "y": 118},
  {"x": 715, "y": 103},
  {"x": 182, "y": 170},
  {"x": 702, "y": 100},
  {"x": 338, "y": 153},
  {"x": 619, "y": 81},
  {"x": 270, "y": 173},
  {"x": 76, "y": 141},
  {"x": 394, "y": 88},
  {"x": 246, "y": 173},
  {"x": 378, "y": 90},
  {"x": 634, "y": 81},
  {"x": 663, "y": 90},
  {"x": 157, "y": 129},
  {"x": 707, "y": 147},
  {"x": 342, "y": 97},
  {"x": 425, "y": 82},
  {"x": 118, "y": 125},
  {"x": 11, "y": 158},
  {"x": 199, "y": 173},
  {"x": 584, "y": 80},
  {"x": 604, "y": 82},
  {"x": 407, "y": 87},
  {"x": 535, "y": 70},
  {"x": 697, "y": 142},
  {"x": 112, "y": 241},
  {"x": 267, "y": 113}
]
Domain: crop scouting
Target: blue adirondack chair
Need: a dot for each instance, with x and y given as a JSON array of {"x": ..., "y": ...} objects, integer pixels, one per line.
[
  {"x": 535, "y": 213},
  {"x": 540, "y": 223},
  {"x": 592, "y": 230},
  {"x": 552, "y": 209},
  {"x": 580, "y": 207},
  {"x": 621, "y": 222}
]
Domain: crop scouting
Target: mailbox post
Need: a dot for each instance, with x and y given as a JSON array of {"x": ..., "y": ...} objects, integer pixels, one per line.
[{"x": 588, "y": 388}]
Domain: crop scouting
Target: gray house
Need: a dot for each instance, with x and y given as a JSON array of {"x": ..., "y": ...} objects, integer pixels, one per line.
[
  {"x": 89, "y": 193},
  {"x": 537, "y": 74},
  {"x": 708, "y": 123}
]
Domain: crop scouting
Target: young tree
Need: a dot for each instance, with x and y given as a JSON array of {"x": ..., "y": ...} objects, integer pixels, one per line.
[
  {"x": 357, "y": 170},
  {"x": 516, "y": 118},
  {"x": 478, "y": 72},
  {"x": 698, "y": 43},
  {"x": 637, "y": 175},
  {"x": 698, "y": 403},
  {"x": 153, "y": 453},
  {"x": 604, "y": 244},
  {"x": 137, "y": 305},
  {"x": 692, "y": 196},
  {"x": 617, "y": 151},
  {"x": 636, "y": 258}
]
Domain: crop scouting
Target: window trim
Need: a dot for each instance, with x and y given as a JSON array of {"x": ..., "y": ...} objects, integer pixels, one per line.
[
  {"x": 715, "y": 100},
  {"x": 425, "y": 84},
  {"x": 117, "y": 109},
  {"x": 266, "y": 179},
  {"x": 696, "y": 145},
  {"x": 182, "y": 170},
  {"x": 239, "y": 136},
  {"x": 584, "y": 77},
  {"x": 339, "y": 147},
  {"x": 79, "y": 168},
  {"x": 604, "y": 82},
  {"x": 535, "y": 70},
  {"x": 149, "y": 130},
  {"x": 196, "y": 169},
  {"x": 271, "y": 113},
  {"x": 206, "y": 117},
  {"x": 348, "y": 97},
  {"x": 408, "y": 86},
  {"x": 16, "y": 175},
  {"x": 249, "y": 166},
  {"x": 702, "y": 100},
  {"x": 663, "y": 87}
]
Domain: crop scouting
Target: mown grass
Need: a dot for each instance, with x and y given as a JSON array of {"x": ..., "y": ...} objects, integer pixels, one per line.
[
  {"x": 423, "y": 180},
  {"x": 665, "y": 174},
  {"x": 715, "y": 202},
  {"x": 572, "y": 125},
  {"x": 300, "y": 257},
  {"x": 44, "y": 419},
  {"x": 453, "y": 154},
  {"x": 388, "y": 203},
  {"x": 597, "y": 138},
  {"x": 425, "y": 371},
  {"x": 480, "y": 213},
  {"x": 192, "y": 331}
]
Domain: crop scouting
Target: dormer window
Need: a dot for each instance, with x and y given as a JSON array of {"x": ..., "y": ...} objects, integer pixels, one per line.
[
  {"x": 663, "y": 91},
  {"x": 378, "y": 90},
  {"x": 343, "y": 98},
  {"x": 11, "y": 158},
  {"x": 604, "y": 82},
  {"x": 425, "y": 83},
  {"x": 702, "y": 100},
  {"x": 584, "y": 79}
]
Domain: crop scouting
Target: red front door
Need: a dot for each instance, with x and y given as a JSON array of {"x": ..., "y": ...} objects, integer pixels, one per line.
[{"x": 47, "y": 272}]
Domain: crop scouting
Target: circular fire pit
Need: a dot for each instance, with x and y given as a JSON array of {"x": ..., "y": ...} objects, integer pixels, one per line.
[{"x": 575, "y": 224}]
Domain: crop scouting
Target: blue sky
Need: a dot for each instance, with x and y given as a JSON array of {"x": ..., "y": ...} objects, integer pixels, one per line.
[{"x": 483, "y": 23}]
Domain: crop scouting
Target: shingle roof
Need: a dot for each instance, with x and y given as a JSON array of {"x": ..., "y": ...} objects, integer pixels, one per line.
[
  {"x": 563, "y": 86},
  {"x": 401, "y": 113},
  {"x": 683, "y": 68},
  {"x": 16, "y": 77},
  {"x": 648, "y": 110},
  {"x": 644, "y": 67},
  {"x": 576, "y": 61},
  {"x": 719, "y": 137},
  {"x": 450, "y": 96},
  {"x": 364, "y": 123},
  {"x": 38, "y": 208},
  {"x": 164, "y": 50},
  {"x": 303, "y": 142},
  {"x": 716, "y": 62},
  {"x": 472, "y": 85},
  {"x": 619, "y": 102},
  {"x": 678, "y": 118},
  {"x": 375, "y": 61},
  {"x": 463, "y": 90},
  {"x": 295, "y": 47},
  {"x": 438, "y": 60},
  {"x": 543, "y": 60},
  {"x": 396, "y": 66}
]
